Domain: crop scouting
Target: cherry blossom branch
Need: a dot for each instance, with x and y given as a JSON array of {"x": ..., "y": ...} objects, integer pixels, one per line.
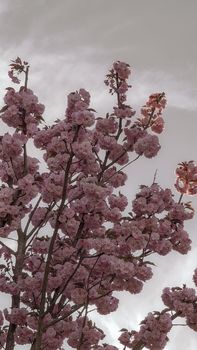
[
  {"x": 20, "y": 255},
  {"x": 25, "y": 146},
  {"x": 84, "y": 323},
  {"x": 59, "y": 291},
  {"x": 140, "y": 344},
  {"x": 37, "y": 344},
  {"x": 180, "y": 198},
  {"x": 31, "y": 215},
  {"x": 77, "y": 207},
  {"x": 153, "y": 111},
  {"x": 123, "y": 167},
  {"x": 74, "y": 309},
  {"x": 104, "y": 165},
  {"x": 26, "y": 76},
  {"x": 42, "y": 223}
]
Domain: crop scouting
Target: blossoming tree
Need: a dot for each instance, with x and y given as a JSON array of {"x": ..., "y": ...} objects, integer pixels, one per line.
[{"x": 78, "y": 239}]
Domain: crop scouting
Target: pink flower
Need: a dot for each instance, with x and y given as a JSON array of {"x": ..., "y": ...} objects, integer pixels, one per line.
[
  {"x": 85, "y": 118},
  {"x": 122, "y": 69},
  {"x": 106, "y": 305},
  {"x": 16, "y": 316},
  {"x": 79, "y": 295},
  {"x": 186, "y": 178},
  {"x": 148, "y": 145},
  {"x": 83, "y": 150},
  {"x": 38, "y": 216},
  {"x": 24, "y": 335},
  {"x": 124, "y": 339},
  {"x": 118, "y": 201},
  {"x": 106, "y": 126},
  {"x": 158, "y": 125},
  {"x": 153, "y": 332},
  {"x": 13, "y": 78}
]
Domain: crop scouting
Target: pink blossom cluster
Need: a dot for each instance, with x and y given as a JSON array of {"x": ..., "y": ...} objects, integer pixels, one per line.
[
  {"x": 152, "y": 113},
  {"x": 16, "y": 316},
  {"x": 11, "y": 214},
  {"x": 75, "y": 244},
  {"x": 184, "y": 302},
  {"x": 186, "y": 178},
  {"x": 117, "y": 82},
  {"x": 22, "y": 110},
  {"x": 148, "y": 146},
  {"x": 138, "y": 139},
  {"x": 152, "y": 333},
  {"x": 180, "y": 302}
]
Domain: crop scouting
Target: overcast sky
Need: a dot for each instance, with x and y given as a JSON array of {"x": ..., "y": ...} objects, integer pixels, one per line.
[{"x": 71, "y": 44}]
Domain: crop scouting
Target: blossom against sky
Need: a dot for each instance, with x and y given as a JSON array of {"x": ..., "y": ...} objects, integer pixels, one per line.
[{"x": 71, "y": 44}]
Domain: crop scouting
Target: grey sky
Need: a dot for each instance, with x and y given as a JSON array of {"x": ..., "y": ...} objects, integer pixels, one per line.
[{"x": 71, "y": 44}]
